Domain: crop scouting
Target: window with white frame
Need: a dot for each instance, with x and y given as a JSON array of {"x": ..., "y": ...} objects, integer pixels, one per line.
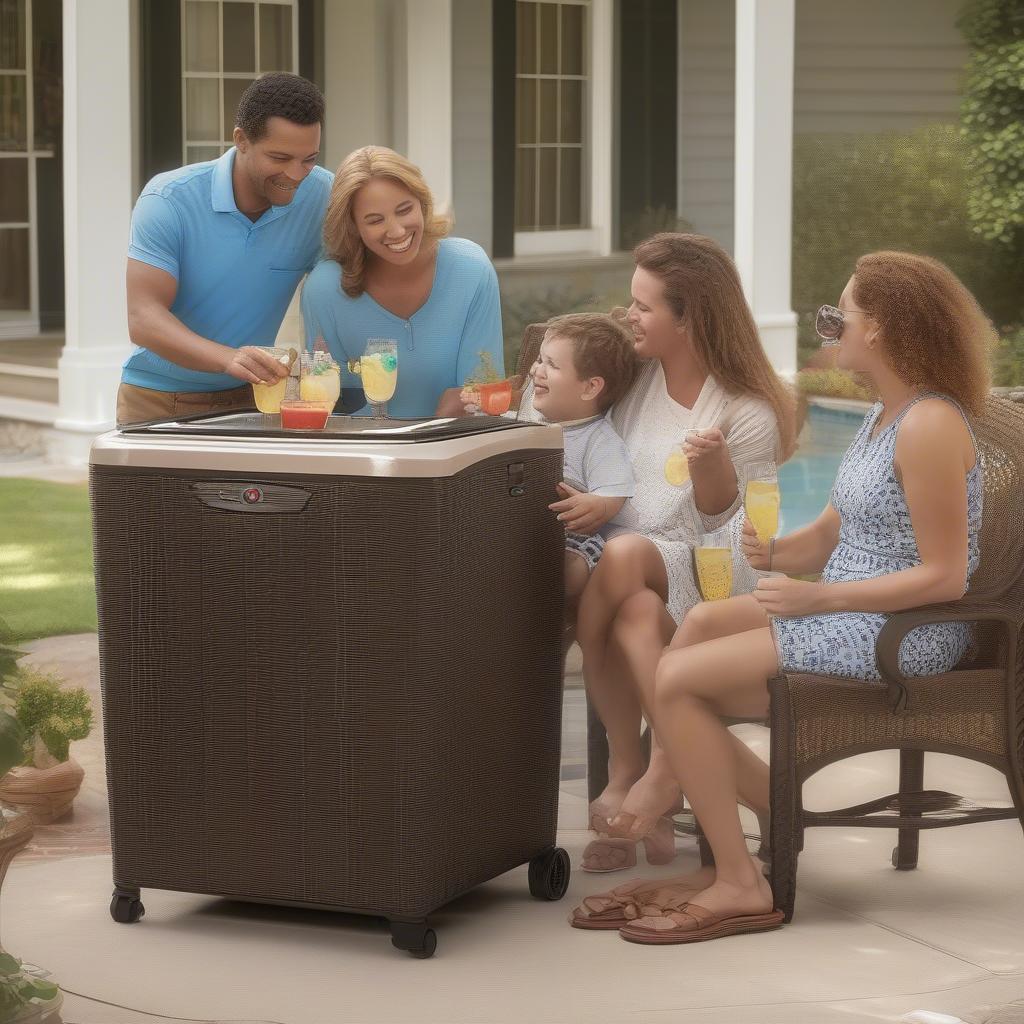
[
  {"x": 552, "y": 61},
  {"x": 226, "y": 45},
  {"x": 30, "y": 113}
]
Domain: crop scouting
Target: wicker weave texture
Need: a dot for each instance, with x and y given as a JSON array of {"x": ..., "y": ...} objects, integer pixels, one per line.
[{"x": 356, "y": 707}]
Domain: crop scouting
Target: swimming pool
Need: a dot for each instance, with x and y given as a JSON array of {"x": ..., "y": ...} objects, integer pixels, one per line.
[{"x": 806, "y": 479}]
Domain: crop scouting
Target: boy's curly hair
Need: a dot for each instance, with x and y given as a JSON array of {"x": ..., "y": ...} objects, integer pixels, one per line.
[
  {"x": 278, "y": 94},
  {"x": 602, "y": 346}
]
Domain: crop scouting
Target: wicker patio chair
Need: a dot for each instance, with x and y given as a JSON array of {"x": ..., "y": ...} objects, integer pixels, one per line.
[{"x": 975, "y": 711}]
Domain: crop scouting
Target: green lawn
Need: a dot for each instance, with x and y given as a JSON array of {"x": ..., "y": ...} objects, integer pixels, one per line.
[{"x": 46, "y": 580}]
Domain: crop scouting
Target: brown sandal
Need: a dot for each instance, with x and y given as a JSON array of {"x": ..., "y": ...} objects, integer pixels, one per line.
[
  {"x": 631, "y": 900},
  {"x": 693, "y": 923}
]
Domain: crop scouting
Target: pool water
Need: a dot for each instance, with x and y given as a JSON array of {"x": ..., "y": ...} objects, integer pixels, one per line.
[{"x": 806, "y": 479}]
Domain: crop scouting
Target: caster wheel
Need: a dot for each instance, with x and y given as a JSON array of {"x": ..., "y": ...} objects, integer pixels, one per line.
[
  {"x": 416, "y": 939},
  {"x": 126, "y": 909},
  {"x": 549, "y": 874},
  {"x": 429, "y": 947}
]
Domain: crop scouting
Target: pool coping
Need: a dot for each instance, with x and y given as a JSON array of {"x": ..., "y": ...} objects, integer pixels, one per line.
[{"x": 840, "y": 404}]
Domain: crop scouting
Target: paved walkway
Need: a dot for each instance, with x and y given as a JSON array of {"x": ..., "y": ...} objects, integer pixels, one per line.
[{"x": 869, "y": 943}]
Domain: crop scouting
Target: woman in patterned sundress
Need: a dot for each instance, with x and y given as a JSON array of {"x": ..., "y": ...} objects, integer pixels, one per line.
[{"x": 901, "y": 530}]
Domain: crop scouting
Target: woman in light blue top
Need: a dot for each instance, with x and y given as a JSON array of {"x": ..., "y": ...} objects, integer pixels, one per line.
[{"x": 391, "y": 272}]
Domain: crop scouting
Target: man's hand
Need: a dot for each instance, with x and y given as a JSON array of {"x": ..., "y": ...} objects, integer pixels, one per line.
[
  {"x": 450, "y": 404},
  {"x": 580, "y": 511},
  {"x": 256, "y": 366},
  {"x": 779, "y": 595}
]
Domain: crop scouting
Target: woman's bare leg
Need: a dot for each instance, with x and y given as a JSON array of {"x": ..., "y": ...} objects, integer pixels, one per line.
[
  {"x": 694, "y": 687},
  {"x": 629, "y": 565},
  {"x": 640, "y": 630}
]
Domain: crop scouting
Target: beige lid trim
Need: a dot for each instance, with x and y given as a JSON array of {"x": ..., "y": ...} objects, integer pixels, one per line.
[{"x": 317, "y": 456}]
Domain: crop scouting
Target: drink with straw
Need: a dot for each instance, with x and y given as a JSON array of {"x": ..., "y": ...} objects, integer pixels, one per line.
[
  {"x": 762, "y": 500},
  {"x": 268, "y": 397},
  {"x": 379, "y": 370},
  {"x": 713, "y": 559}
]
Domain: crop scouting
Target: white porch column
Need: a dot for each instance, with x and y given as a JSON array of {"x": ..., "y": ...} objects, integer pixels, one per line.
[
  {"x": 764, "y": 170},
  {"x": 428, "y": 105},
  {"x": 98, "y": 194}
]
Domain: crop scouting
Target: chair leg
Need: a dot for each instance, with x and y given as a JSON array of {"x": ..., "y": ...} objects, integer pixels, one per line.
[
  {"x": 786, "y": 828},
  {"x": 904, "y": 855},
  {"x": 597, "y": 754}
]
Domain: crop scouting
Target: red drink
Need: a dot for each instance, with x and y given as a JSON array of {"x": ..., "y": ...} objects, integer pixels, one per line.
[
  {"x": 297, "y": 415},
  {"x": 496, "y": 398}
]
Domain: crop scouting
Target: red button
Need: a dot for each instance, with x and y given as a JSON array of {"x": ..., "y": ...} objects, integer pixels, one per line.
[{"x": 252, "y": 495}]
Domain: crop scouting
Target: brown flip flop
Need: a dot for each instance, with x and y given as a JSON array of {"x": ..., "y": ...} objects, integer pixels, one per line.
[{"x": 693, "y": 923}]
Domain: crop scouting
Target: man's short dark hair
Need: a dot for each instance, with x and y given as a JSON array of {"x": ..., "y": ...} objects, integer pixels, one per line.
[{"x": 278, "y": 94}]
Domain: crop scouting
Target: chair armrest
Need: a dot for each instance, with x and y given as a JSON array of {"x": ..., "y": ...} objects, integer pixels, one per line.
[{"x": 899, "y": 624}]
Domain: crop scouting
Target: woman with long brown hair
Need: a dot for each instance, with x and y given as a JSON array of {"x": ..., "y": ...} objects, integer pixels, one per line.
[
  {"x": 900, "y": 530},
  {"x": 704, "y": 368},
  {"x": 392, "y": 271}
]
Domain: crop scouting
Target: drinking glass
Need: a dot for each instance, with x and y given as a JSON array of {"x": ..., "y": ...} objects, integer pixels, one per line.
[
  {"x": 321, "y": 378},
  {"x": 677, "y": 469},
  {"x": 268, "y": 396},
  {"x": 379, "y": 370},
  {"x": 762, "y": 499},
  {"x": 713, "y": 558}
]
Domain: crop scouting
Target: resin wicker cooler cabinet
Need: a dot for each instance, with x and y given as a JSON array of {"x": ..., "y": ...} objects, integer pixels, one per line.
[{"x": 330, "y": 663}]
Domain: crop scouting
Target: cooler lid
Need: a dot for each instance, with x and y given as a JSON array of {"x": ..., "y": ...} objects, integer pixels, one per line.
[
  {"x": 244, "y": 442},
  {"x": 252, "y": 425}
]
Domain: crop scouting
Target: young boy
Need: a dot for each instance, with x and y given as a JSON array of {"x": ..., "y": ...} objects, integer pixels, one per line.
[{"x": 586, "y": 363}]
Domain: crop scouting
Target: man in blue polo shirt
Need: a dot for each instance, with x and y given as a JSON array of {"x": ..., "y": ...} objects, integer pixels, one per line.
[{"x": 216, "y": 252}]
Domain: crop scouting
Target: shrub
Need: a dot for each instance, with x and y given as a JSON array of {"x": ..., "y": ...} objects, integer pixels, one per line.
[
  {"x": 534, "y": 306},
  {"x": 46, "y": 711},
  {"x": 857, "y": 194},
  {"x": 992, "y": 119},
  {"x": 832, "y": 383},
  {"x": 1008, "y": 357}
]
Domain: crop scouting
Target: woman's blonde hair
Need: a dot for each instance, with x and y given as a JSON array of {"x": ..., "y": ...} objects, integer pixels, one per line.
[
  {"x": 936, "y": 337},
  {"x": 341, "y": 236},
  {"x": 702, "y": 288}
]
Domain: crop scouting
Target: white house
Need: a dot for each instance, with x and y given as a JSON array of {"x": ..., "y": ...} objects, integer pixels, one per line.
[{"x": 554, "y": 129}]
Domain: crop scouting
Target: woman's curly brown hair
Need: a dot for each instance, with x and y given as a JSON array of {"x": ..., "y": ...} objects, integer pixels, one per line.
[
  {"x": 602, "y": 346},
  {"x": 936, "y": 337},
  {"x": 342, "y": 242}
]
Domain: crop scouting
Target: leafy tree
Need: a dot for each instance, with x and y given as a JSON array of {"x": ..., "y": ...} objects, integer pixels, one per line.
[{"x": 992, "y": 119}]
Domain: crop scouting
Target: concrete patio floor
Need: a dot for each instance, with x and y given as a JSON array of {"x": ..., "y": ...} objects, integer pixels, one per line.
[{"x": 867, "y": 944}]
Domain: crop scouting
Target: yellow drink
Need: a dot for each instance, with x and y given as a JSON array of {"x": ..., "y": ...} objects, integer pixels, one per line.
[
  {"x": 268, "y": 396},
  {"x": 321, "y": 387},
  {"x": 714, "y": 572},
  {"x": 762, "y": 505},
  {"x": 380, "y": 376},
  {"x": 677, "y": 469}
]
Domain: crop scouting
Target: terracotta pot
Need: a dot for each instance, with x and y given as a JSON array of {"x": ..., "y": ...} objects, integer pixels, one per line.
[{"x": 44, "y": 794}]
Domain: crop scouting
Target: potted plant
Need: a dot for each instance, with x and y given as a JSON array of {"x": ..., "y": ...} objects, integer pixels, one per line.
[{"x": 47, "y": 779}]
